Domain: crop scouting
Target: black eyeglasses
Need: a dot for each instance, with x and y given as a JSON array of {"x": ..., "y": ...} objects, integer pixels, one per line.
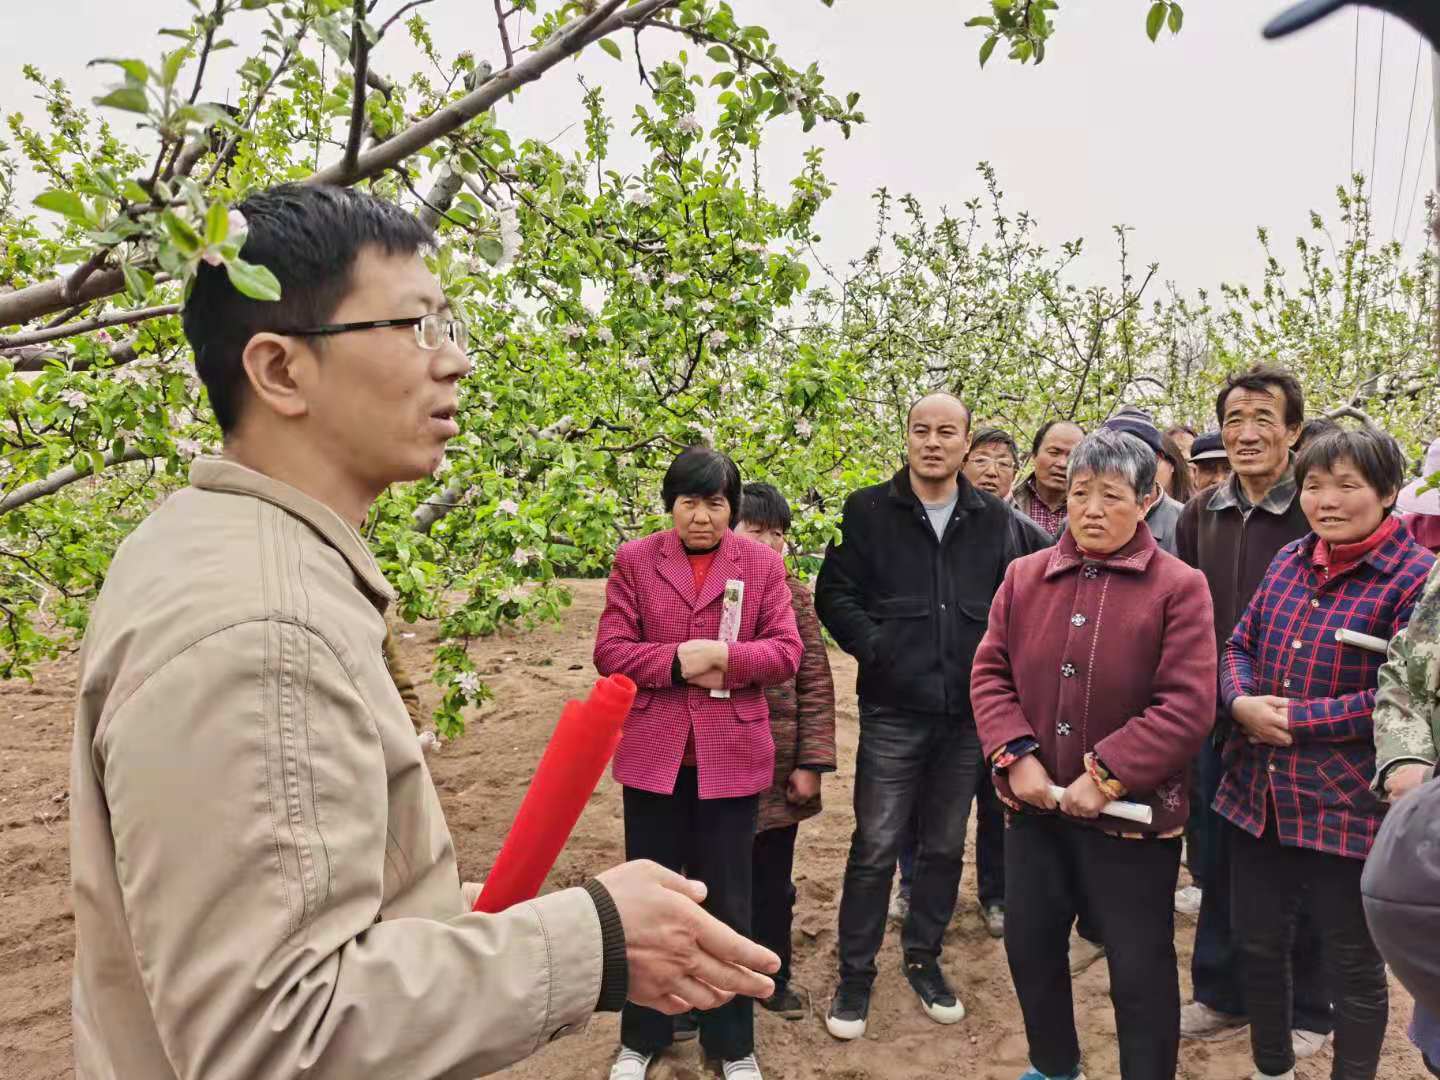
[{"x": 431, "y": 331}]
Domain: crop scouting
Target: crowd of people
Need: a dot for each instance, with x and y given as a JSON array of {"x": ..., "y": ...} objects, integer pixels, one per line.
[
  {"x": 1218, "y": 647},
  {"x": 1143, "y": 615}
]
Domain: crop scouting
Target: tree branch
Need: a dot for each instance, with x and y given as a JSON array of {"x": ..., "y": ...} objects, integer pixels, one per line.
[
  {"x": 28, "y": 303},
  {"x": 211, "y": 26},
  {"x": 114, "y": 318},
  {"x": 38, "y": 489},
  {"x": 394, "y": 18},
  {"x": 360, "y": 62},
  {"x": 38, "y": 357},
  {"x": 501, "y": 16},
  {"x": 568, "y": 41}
]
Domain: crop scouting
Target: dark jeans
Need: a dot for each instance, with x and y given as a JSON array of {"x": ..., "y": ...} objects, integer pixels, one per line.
[
  {"x": 1215, "y": 967},
  {"x": 989, "y": 843},
  {"x": 1268, "y": 882},
  {"x": 1053, "y": 867},
  {"x": 908, "y": 764},
  {"x": 772, "y": 904},
  {"x": 712, "y": 841}
]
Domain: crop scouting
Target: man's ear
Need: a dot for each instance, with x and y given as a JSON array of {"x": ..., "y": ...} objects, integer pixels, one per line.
[
  {"x": 1292, "y": 435},
  {"x": 276, "y": 368}
]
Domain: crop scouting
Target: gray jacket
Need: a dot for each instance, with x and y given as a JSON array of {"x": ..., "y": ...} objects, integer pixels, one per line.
[{"x": 1164, "y": 516}]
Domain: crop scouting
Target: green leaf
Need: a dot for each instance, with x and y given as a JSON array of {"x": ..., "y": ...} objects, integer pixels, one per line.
[
  {"x": 129, "y": 98},
  {"x": 723, "y": 78},
  {"x": 1156, "y": 19},
  {"x": 65, "y": 202},
  {"x": 611, "y": 48},
  {"x": 134, "y": 192},
  {"x": 980, "y": 20},
  {"x": 182, "y": 233},
  {"x": 988, "y": 48},
  {"x": 173, "y": 63},
  {"x": 217, "y": 223},
  {"x": 256, "y": 282},
  {"x": 1177, "y": 18},
  {"x": 137, "y": 282},
  {"x": 490, "y": 249},
  {"x": 719, "y": 54},
  {"x": 135, "y": 70}
]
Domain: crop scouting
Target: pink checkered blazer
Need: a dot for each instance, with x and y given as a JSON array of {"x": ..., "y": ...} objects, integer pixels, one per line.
[{"x": 651, "y": 608}]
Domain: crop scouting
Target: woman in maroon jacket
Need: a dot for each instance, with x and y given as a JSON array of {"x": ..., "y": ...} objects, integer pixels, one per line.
[
  {"x": 1098, "y": 675},
  {"x": 693, "y": 762}
]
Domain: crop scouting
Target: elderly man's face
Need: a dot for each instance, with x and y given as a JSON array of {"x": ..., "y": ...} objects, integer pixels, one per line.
[
  {"x": 991, "y": 467},
  {"x": 1104, "y": 511}
]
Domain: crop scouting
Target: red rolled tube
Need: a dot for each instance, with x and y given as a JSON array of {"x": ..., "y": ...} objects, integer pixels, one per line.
[{"x": 580, "y": 748}]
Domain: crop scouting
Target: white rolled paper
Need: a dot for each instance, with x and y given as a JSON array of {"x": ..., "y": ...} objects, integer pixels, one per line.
[
  {"x": 1130, "y": 811},
  {"x": 1362, "y": 641}
]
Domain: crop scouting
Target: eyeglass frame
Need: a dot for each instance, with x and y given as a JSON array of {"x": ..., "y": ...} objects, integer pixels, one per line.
[
  {"x": 459, "y": 338},
  {"x": 1009, "y": 465}
]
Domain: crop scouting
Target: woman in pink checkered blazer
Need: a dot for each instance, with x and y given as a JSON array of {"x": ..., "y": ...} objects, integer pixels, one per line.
[{"x": 693, "y": 763}]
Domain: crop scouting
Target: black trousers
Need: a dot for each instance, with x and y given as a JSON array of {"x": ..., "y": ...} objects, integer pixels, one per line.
[
  {"x": 772, "y": 905},
  {"x": 908, "y": 763},
  {"x": 1052, "y": 868},
  {"x": 1269, "y": 883},
  {"x": 989, "y": 843},
  {"x": 711, "y": 841},
  {"x": 1216, "y": 965}
]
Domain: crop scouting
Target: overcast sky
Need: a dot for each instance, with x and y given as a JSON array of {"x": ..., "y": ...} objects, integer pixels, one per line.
[{"x": 1194, "y": 141}]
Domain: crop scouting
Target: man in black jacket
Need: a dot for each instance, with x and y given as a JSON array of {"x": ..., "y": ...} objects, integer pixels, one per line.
[{"x": 907, "y": 592}]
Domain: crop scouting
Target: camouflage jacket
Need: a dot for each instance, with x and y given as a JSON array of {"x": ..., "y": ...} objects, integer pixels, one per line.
[{"x": 1407, "y": 708}]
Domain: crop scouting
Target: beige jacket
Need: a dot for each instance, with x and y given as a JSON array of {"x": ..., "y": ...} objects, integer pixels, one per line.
[{"x": 264, "y": 884}]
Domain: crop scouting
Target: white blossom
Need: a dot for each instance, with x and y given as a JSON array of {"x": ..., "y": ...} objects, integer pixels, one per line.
[
  {"x": 508, "y": 506},
  {"x": 509, "y": 236},
  {"x": 707, "y": 435},
  {"x": 512, "y": 595},
  {"x": 802, "y": 428},
  {"x": 689, "y": 125},
  {"x": 103, "y": 335},
  {"x": 670, "y": 303},
  {"x": 571, "y": 331},
  {"x": 605, "y": 334},
  {"x": 524, "y": 556},
  {"x": 716, "y": 338},
  {"x": 642, "y": 199},
  {"x": 188, "y": 448},
  {"x": 468, "y": 682},
  {"x": 76, "y": 399},
  {"x": 676, "y": 277},
  {"x": 706, "y": 306}
]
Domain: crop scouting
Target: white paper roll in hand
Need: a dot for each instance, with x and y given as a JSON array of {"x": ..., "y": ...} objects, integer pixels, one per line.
[
  {"x": 1130, "y": 811},
  {"x": 1362, "y": 641}
]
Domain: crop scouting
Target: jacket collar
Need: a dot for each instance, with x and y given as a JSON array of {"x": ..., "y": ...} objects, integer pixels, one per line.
[
  {"x": 1277, "y": 500},
  {"x": 1387, "y": 556},
  {"x": 968, "y": 498},
  {"x": 675, "y": 568},
  {"x": 231, "y": 478},
  {"x": 1133, "y": 558}
]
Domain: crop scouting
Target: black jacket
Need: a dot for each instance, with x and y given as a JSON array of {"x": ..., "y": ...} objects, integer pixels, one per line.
[{"x": 912, "y": 609}]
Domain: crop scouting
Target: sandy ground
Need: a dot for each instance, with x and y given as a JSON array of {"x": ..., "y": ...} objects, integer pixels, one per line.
[{"x": 482, "y": 778}]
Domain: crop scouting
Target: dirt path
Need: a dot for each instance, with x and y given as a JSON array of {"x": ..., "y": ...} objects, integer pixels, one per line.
[{"x": 481, "y": 779}]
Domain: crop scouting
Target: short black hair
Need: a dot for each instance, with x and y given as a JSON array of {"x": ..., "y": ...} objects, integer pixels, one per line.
[
  {"x": 308, "y": 236},
  {"x": 1313, "y": 429},
  {"x": 994, "y": 436},
  {"x": 1262, "y": 378},
  {"x": 763, "y": 505},
  {"x": 937, "y": 393},
  {"x": 1046, "y": 428},
  {"x": 1373, "y": 452},
  {"x": 702, "y": 472}
]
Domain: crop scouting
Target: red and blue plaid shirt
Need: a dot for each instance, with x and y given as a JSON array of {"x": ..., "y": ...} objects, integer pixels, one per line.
[{"x": 1285, "y": 645}]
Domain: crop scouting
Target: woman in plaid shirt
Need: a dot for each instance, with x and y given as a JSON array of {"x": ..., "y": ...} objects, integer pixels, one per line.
[{"x": 1300, "y": 758}]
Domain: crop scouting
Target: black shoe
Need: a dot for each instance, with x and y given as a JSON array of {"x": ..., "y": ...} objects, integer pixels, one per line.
[
  {"x": 936, "y": 997},
  {"x": 687, "y": 1027},
  {"x": 849, "y": 1012},
  {"x": 784, "y": 1002}
]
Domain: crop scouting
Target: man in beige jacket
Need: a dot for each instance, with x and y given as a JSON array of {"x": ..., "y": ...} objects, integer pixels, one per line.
[{"x": 264, "y": 884}]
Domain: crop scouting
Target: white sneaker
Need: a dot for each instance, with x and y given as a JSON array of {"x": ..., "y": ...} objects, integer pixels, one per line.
[
  {"x": 1307, "y": 1043},
  {"x": 1187, "y": 900},
  {"x": 1083, "y": 953},
  {"x": 631, "y": 1065},
  {"x": 746, "y": 1068},
  {"x": 1199, "y": 1021}
]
